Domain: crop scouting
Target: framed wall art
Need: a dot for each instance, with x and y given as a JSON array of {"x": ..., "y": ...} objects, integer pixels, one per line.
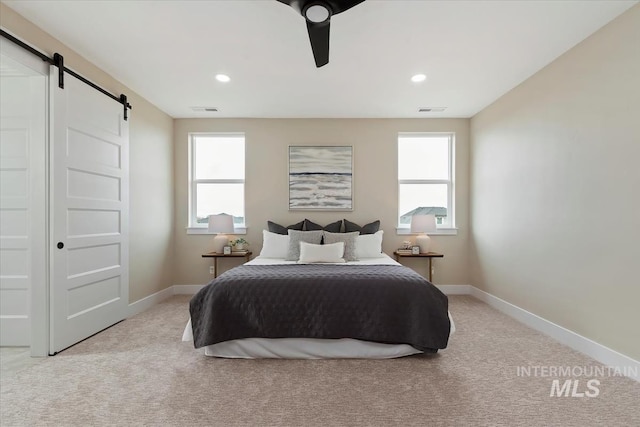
[{"x": 321, "y": 178}]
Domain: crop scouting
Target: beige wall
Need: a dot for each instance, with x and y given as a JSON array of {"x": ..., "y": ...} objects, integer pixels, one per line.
[
  {"x": 151, "y": 165},
  {"x": 555, "y": 190},
  {"x": 375, "y": 184}
]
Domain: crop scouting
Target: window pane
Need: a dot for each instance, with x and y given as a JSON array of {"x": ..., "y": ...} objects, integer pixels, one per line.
[
  {"x": 424, "y": 157},
  {"x": 219, "y": 157},
  {"x": 423, "y": 199},
  {"x": 220, "y": 198}
]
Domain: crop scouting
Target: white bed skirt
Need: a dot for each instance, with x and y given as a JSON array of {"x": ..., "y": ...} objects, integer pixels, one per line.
[{"x": 305, "y": 348}]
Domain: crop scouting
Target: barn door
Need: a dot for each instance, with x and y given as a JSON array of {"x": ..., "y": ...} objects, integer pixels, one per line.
[
  {"x": 89, "y": 192},
  {"x": 23, "y": 106}
]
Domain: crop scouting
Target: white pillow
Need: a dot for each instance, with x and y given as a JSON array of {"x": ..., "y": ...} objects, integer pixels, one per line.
[
  {"x": 369, "y": 245},
  {"x": 310, "y": 253},
  {"x": 274, "y": 245}
]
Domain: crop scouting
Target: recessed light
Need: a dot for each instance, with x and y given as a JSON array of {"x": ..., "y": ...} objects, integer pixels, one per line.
[
  {"x": 418, "y": 78},
  {"x": 222, "y": 78}
]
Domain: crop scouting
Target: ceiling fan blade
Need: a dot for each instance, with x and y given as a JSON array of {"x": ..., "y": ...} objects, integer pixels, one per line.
[
  {"x": 317, "y": 14},
  {"x": 319, "y": 38},
  {"x": 339, "y": 6}
]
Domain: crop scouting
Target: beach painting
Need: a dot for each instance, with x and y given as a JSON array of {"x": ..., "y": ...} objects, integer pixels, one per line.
[{"x": 321, "y": 178}]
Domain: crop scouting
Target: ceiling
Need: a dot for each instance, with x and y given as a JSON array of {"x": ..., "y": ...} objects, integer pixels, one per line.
[{"x": 472, "y": 52}]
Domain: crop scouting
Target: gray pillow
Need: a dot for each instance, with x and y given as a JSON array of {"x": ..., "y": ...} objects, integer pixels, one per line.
[
  {"x": 371, "y": 228},
  {"x": 279, "y": 229},
  {"x": 295, "y": 237},
  {"x": 334, "y": 227},
  {"x": 349, "y": 240}
]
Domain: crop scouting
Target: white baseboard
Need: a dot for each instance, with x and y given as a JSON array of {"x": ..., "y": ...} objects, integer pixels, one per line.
[
  {"x": 584, "y": 345},
  {"x": 186, "y": 289},
  {"x": 446, "y": 289},
  {"x": 156, "y": 298},
  {"x": 148, "y": 302},
  {"x": 596, "y": 351},
  {"x": 455, "y": 289}
]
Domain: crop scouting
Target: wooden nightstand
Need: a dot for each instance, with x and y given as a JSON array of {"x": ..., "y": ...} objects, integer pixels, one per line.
[
  {"x": 216, "y": 255},
  {"x": 429, "y": 256}
]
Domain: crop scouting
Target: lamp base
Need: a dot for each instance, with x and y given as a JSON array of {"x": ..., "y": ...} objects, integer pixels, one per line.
[
  {"x": 219, "y": 242},
  {"x": 424, "y": 242}
]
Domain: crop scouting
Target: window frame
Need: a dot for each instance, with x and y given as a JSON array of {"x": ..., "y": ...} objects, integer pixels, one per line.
[
  {"x": 193, "y": 227},
  {"x": 450, "y": 229}
]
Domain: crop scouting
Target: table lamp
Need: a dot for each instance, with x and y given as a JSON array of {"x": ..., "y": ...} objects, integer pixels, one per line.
[
  {"x": 423, "y": 224},
  {"x": 220, "y": 224}
]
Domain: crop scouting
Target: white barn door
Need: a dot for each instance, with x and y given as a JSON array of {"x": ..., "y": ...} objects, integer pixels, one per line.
[
  {"x": 89, "y": 276},
  {"x": 23, "y": 103}
]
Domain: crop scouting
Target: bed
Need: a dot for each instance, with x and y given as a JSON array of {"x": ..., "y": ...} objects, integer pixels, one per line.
[{"x": 272, "y": 307}]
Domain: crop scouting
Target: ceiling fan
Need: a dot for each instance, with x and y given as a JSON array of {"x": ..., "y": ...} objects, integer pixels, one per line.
[{"x": 318, "y": 16}]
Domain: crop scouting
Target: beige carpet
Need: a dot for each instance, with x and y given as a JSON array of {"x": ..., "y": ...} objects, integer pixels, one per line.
[{"x": 140, "y": 373}]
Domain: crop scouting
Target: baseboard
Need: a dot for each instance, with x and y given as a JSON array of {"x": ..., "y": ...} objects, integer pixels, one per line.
[
  {"x": 186, "y": 289},
  {"x": 455, "y": 289},
  {"x": 446, "y": 289},
  {"x": 604, "y": 355},
  {"x": 584, "y": 345},
  {"x": 156, "y": 298},
  {"x": 149, "y": 301}
]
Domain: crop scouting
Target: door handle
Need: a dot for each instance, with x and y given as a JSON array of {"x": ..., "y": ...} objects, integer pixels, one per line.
[{"x": 60, "y": 245}]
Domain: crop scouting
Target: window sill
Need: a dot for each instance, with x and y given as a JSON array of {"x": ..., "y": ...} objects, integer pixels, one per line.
[
  {"x": 438, "y": 232},
  {"x": 204, "y": 230}
]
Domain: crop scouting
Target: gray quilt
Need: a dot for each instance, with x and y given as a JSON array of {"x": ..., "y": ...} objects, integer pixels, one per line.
[{"x": 382, "y": 303}]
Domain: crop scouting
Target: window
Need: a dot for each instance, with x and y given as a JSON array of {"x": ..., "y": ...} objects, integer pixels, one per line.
[
  {"x": 425, "y": 183},
  {"x": 216, "y": 177}
]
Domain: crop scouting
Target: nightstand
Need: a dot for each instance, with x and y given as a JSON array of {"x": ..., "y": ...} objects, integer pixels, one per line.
[
  {"x": 216, "y": 255},
  {"x": 429, "y": 256}
]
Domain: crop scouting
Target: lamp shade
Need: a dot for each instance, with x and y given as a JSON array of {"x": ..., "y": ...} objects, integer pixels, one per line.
[
  {"x": 423, "y": 223},
  {"x": 221, "y": 224}
]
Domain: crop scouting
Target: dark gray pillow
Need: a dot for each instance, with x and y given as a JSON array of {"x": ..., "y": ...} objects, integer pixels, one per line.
[
  {"x": 349, "y": 240},
  {"x": 295, "y": 237},
  {"x": 370, "y": 228},
  {"x": 279, "y": 229},
  {"x": 334, "y": 227}
]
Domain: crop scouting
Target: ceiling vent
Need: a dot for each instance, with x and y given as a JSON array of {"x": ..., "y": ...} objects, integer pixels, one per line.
[
  {"x": 431, "y": 109},
  {"x": 205, "y": 109}
]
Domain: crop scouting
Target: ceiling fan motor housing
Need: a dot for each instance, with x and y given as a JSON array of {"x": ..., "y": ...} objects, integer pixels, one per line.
[{"x": 317, "y": 12}]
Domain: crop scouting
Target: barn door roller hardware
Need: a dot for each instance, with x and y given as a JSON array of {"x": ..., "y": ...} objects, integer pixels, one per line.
[{"x": 58, "y": 61}]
